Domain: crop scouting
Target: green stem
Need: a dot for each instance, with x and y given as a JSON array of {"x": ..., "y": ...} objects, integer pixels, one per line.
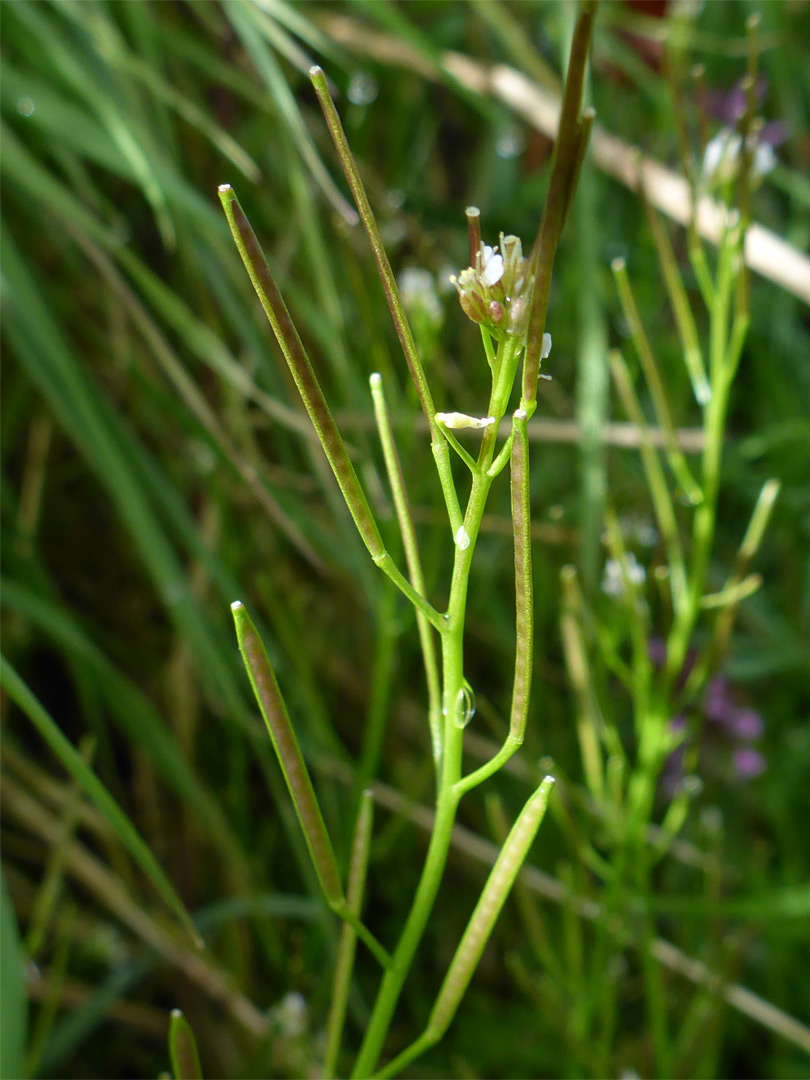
[
  {"x": 427, "y": 889},
  {"x": 652, "y": 373},
  {"x": 479, "y": 928},
  {"x": 361, "y": 848},
  {"x": 409, "y": 542},
  {"x": 452, "y": 691},
  {"x": 714, "y": 427}
]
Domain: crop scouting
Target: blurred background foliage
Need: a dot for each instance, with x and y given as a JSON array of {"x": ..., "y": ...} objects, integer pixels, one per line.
[{"x": 157, "y": 466}]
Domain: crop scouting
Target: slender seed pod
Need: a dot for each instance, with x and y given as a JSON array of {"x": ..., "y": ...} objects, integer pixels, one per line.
[
  {"x": 314, "y": 400},
  {"x": 524, "y": 586},
  {"x": 679, "y": 301},
  {"x": 285, "y": 743},
  {"x": 301, "y": 369},
  {"x": 387, "y": 278},
  {"x": 185, "y": 1057},
  {"x": 568, "y": 152},
  {"x": 409, "y": 542},
  {"x": 488, "y": 909},
  {"x": 585, "y": 127}
]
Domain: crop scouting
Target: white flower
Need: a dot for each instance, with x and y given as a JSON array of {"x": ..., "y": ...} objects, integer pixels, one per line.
[
  {"x": 613, "y": 577},
  {"x": 491, "y": 265},
  {"x": 723, "y": 154},
  {"x": 417, "y": 288},
  {"x": 495, "y": 291},
  {"x": 291, "y": 1015},
  {"x": 764, "y": 159},
  {"x": 720, "y": 158}
]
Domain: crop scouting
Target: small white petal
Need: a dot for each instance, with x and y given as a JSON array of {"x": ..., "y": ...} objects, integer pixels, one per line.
[
  {"x": 462, "y": 539},
  {"x": 764, "y": 159},
  {"x": 493, "y": 270},
  {"x": 459, "y": 420},
  {"x": 546, "y": 349},
  {"x": 721, "y": 156}
]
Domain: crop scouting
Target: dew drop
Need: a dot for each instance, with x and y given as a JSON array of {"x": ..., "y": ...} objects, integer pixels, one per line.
[{"x": 465, "y": 706}]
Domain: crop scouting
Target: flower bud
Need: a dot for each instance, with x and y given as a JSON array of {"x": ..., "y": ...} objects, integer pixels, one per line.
[{"x": 496, "y": 290}]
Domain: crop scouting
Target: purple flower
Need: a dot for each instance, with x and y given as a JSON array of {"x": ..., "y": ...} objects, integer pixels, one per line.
[
  {"x": 747, "y": 725},
  {"x": 723, "y": 154},
  {"x": 748, "y": 763},
  {"x": 730, "y": 106},
  {"x": 657, "y": 651},
  {"x": 718, "y": 705},
  {"x": 724, "y": 743}
]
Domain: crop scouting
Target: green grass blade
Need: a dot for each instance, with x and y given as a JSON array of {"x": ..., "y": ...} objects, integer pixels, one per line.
[
  {"x": 14, "y": 1010},
  {"x": 128, "y": 706},
  {"x": 75, "y": 764}
]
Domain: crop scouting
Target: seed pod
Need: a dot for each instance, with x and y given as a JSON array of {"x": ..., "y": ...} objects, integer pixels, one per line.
[
  {"x": 285, "y": 743},
  {"x": 487, "y": 910}
]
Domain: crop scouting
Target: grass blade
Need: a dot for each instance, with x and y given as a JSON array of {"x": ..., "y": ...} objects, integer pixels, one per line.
[
  {"x": 75, "y": 764},
  {"x": 14, "y": 1013}
]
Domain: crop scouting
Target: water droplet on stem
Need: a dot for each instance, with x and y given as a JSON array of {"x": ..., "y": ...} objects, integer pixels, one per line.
[{"x": 465, "y": 706}]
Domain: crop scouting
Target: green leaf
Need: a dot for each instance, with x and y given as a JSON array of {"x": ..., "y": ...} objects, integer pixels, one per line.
[{"x": 13, "y": 1002}]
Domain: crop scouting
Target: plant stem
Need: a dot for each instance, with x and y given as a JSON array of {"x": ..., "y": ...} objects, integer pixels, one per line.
[
  {"x": 453, "y": 688},
  {"x": 412, "y": 557},
  {"x": 361, "y": 848},
  {"x": 417, "y": 919}
]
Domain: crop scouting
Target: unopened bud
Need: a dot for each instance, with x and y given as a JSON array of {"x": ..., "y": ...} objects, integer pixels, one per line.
[{"x": 457, "y": 421}]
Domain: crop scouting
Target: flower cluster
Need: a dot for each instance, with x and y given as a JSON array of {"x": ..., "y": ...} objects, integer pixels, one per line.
[
  {"x": 496, "y": 291},
  {"x": 739, "y": 727},
  {"x": 613, "y": 576},
  {"x": 723, "y": 154},
  {"x": 728, "y": 736}
]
